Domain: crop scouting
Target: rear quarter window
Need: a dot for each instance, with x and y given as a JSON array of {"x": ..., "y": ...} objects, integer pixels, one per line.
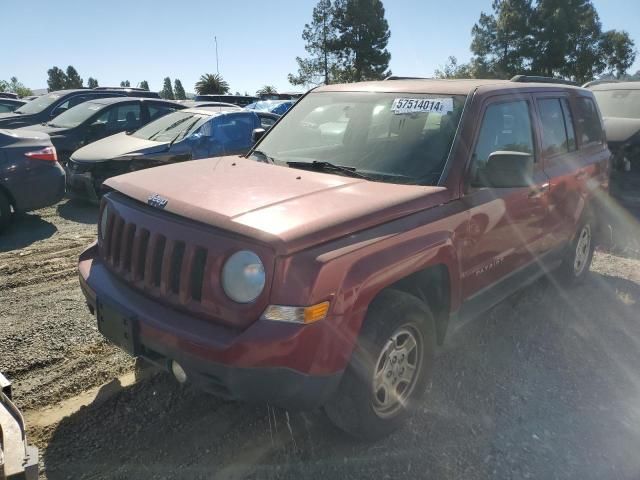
[{"x": 588, "y": 120}]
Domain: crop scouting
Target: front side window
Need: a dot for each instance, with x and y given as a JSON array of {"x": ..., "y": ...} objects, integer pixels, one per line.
[
  {"x": 393, "y": 137},
  {"x": 505, "y": 127},
  {"x": 589, "y": 120}
]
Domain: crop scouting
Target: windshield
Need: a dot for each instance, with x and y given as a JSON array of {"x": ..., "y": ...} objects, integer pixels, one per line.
[
  {"x": 76, "y": 115},
  {"x": 37, "y": 105},
  {"x": 619, "y": 103},
  {"x": 172, "y": 127},
  {"x": 399, "y": 138}
]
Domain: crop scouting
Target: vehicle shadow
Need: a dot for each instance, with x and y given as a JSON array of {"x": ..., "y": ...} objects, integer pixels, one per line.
[
  {"x": 78, "y": 211},
  {"x": 24, "y": 230},
  {"x": 545, "y": 385}
]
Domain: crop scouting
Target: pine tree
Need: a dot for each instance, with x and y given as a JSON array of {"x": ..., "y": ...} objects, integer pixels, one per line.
[
  {"x": 179, "y": 90},
  {"x": 57, "y": 79},
  {"x": 73, "y": 78},
  {"x": 144, "y": 85},
  {"x": 125, "y": 83},
  {"x": 320, "y": 38},
  {"x": 92, "y": 82},
  {"x": 167, "y": 90},
  {"x": 363, "y": 35}
]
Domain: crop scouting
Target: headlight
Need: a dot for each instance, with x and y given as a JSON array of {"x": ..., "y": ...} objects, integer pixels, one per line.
[
  {"x": 103, "y": 221},
  {"x": 243, "y": 277}
]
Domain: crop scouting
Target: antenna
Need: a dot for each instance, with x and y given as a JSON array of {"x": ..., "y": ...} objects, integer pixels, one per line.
[{"x": 217, "y": 67}]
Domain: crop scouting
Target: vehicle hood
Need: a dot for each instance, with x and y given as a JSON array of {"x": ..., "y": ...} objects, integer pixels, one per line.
[
  {"x": 621, "y": 130},
  {"x": 291, "y": 209},
  {"x": 117, "y": 146}
]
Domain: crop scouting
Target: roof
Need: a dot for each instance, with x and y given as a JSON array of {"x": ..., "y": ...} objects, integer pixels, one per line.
[
  {"x": 213, "y": 111},
  {"x": 616, "y": 86},
  {"x": 437, "y": 86},
  {"x": 111, "y": 100}
]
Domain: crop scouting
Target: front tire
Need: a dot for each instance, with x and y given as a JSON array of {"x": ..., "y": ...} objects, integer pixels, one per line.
[{"x": 389, "y": 370}]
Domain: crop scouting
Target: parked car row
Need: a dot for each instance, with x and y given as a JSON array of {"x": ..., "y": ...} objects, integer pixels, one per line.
[{"x": 95, "y": 134}]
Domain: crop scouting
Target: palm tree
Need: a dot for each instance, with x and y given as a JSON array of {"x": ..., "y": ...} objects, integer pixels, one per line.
[
  {"x": 212, "y": 84},
  {"x": 267, "y": 90}
]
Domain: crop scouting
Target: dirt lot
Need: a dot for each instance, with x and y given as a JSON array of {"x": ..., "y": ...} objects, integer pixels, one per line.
[{"x": 546, "y": 385}]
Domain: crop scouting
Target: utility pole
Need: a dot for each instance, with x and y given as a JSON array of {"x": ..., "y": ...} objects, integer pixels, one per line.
[{"x": 217, "y": 67}]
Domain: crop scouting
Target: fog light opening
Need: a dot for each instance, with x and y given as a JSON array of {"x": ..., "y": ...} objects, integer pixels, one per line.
[{"x": 178, "y": 372}]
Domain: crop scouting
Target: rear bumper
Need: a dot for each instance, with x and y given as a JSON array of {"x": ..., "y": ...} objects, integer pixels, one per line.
[
  {"x": 43, "y": 188},
  {"x": 18, "y": 461},
  {"x": 269, "y": 362}
]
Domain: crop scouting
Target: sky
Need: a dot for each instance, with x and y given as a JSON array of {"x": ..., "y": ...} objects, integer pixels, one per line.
[{"x": 258, "y": 41}]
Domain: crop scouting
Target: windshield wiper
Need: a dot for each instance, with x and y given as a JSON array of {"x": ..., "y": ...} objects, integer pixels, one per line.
[
  {"x": 264, "y": 155},
  {"x": 329, "y": 167}
]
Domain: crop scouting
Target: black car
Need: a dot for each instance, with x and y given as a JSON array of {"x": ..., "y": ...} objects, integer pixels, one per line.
[
  {"x": 190, "y": 134},
  {"x": 9, "y": 95},
  {"x": 30, "y": 175},
  {"x": 96, "y": 119},
  {"x": 46, "y": 107},
  {"x": 8, "y": 105}
]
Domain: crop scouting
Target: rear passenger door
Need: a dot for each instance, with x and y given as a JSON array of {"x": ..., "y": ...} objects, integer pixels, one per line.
[
  {"x": 506, "y": 225},
  {"x": 573, "y": 149}
]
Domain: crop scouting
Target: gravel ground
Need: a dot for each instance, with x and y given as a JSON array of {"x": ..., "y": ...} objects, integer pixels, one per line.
[{"x": 545, "y": 385}]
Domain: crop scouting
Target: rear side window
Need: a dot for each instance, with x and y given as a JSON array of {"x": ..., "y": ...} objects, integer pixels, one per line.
[
  {"x": 505, "y": 127},
  {"x": 589, "y": 121},
  {"x": 558, "y": 136},
  {"x": 157, "y": 111}
]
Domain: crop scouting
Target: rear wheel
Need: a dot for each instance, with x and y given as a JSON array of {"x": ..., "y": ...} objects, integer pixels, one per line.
[
  {"x": 389, "y": 370},
  {"x": 575, "y": 267},
  {"x": 5, "y": 211}
]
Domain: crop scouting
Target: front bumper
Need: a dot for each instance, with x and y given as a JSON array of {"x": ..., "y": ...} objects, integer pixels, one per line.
[
  {"x": 81, "y": 186},
  {"x": 18, "y": 461},
  {"x": 269, "y": 362}
]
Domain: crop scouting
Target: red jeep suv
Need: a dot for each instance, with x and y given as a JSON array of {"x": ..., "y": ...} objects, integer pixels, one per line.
[{"x": 322, "y": 268}]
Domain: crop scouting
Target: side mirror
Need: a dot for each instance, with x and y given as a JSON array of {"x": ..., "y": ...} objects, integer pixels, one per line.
[
  {"x": 257, "y": 134},
  {"x": 506, "y": 169}
]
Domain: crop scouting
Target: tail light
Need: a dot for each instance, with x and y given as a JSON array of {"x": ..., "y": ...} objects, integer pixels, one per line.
[{"x": 48, "y": 153}]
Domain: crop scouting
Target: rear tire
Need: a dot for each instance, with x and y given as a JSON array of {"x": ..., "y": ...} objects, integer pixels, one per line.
[
  {"x": 575, "y": 267},
  {"x": 5, "y": 211},
  {"x": 389, "y": 370}
]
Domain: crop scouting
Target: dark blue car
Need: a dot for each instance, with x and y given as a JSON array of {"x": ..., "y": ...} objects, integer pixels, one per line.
[
  {"x": 189, "y": 134},
  {"x": 30, "y": 175},
  {"x": 279, "y": 107}
]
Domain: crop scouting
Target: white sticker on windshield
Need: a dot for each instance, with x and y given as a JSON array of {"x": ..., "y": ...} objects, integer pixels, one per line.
[
  {"x": 95, "y": 107},
  {"x": 440, "y": 106}
]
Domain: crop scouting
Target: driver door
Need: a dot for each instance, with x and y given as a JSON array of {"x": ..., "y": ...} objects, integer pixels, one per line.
[{"x": 506, "y": 229}]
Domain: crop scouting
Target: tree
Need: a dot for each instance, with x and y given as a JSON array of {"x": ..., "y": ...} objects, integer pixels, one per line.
[
  {"x": 320, "y": 38},
  {"x": 363, "y": 35},
  {"x": 179, "y": 90},
  {"x": 267, "y": 90},
  {"x": 92, "y": 82},
  {"x": 212, "y": 84},
  {"x": 73, "y": 78},
  {"x": 144, "y": 85},
  {"x": 454, "y": 70},
  {"x": 57, "y": 79},
  {"x": 619, "y": 51},
  {"x": 18, "y": 87},
  {"x": 167, "y": 90},
  {"x": 125, "y": 83},
  {"x": 547, "y": 37}
]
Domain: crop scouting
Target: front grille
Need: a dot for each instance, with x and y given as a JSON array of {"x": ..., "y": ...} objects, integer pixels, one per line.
[{"x": 173, "y": 269}]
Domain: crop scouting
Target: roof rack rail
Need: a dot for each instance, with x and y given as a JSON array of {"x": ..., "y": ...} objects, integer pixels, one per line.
[
  {"x": 540, "y": 79},
  {"x": 398, "y": 77},
  {"x": 599, "y": 82},
  {"x": 120, "y": 88}
]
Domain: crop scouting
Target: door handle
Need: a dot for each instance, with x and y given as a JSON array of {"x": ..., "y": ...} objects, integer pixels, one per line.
[{"x": 538, "y": 191}]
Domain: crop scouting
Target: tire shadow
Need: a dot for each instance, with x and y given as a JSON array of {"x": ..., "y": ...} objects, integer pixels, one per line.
[
  {"x": 78, "y": 211},
  {"x": 24, "y": 230}
]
